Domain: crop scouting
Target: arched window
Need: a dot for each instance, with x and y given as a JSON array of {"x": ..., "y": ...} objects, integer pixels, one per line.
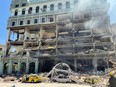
[
  {"x": 30, "y": 10},
  {"x": 59, "y": 6},
  {"x": 23, "y": 11},
  {"x": 37, "y": 9},
  {"x": 23, "y": 67},
  {"x": 16, "y": 13},
  {"x": 52, "y": 7},
  {"x": 67, "y": 5}
]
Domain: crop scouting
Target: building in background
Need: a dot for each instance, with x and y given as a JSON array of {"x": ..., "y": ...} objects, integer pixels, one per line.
[{"x": 43, "y": 33}]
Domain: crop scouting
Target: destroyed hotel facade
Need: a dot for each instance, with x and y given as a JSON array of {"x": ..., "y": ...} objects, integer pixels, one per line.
[{"x": 43, "y": 33}]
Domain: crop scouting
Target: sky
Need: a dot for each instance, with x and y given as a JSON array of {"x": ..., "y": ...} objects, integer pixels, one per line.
[{"x": 5, "y": 13}]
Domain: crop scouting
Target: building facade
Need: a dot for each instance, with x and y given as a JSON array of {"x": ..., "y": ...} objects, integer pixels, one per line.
[{"x": 43, "y": 33}]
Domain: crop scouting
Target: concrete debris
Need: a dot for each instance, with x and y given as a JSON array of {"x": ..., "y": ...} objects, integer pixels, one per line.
[
  {"x": 13, "y": 86},
  {"x": 92, "y": 80},
  {"x": 8, "y": 79},
  {"x": 60, "y": 73},
  {"x": 1, "y": 79}
]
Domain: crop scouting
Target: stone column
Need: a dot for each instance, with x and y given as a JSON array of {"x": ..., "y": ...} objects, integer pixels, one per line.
[
  {"x": 41, "y": 32},
  {"x": 75, "y": 65},
  {"x": 7, "y": 45},
  {"x": 10, "y": 67},
  {"x": 19, "y": 66},
  {"x": 94, "y": 65},
  {"x": 9, "y": 33},
  {"x": 56, "y": 39},
  {"x": 36, "y": 66},
  {"x": 1, "y": 67},
  {"x": 27, "y": 66}
]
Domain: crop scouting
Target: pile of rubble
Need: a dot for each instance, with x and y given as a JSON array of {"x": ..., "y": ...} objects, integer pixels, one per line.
[
  {"x": 8, "y": 79},
  {"x": 63, "y": 74}
]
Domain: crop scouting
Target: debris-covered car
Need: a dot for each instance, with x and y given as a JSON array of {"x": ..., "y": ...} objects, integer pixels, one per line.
[
  {"x": 112, "y": 80},
  {"x": 34, "y": 78}
]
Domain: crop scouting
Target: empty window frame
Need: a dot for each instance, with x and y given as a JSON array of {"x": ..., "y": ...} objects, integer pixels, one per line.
[
  {"x": 59, "y": 6},
  {"x": 51, "y": 19},
  {"x": 52, "y": 7},
  {"x": 16, "y": 13},
  {"x": 44, "y": 8},
  {"x": 17, "y": 5},
  {"x": 28, "y": 21},
  {"x": 30, "y": 10},
  {"x": 67, "y": 5},
  {"x": 35, "y": 21},
  {"x": 43, "y": 20},
  {"x": 37, "y": 9},
  {"x": 21, "y": 22},
  {"x": 23, "y": 11},
  {"x": 13, "y": 23},
  {"x": 23, "y": 4}
]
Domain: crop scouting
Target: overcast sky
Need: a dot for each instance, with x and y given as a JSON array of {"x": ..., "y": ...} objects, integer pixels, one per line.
[{"x": 4, "y": 14}]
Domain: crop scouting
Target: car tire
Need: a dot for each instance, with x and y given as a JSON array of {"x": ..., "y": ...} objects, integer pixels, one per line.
[{"x": 32, "y": 81}]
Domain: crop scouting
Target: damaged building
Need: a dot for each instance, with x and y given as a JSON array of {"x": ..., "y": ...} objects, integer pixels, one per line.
[
  {"x": 43, "y": 33},
  {"x": 1, "y": 50}
]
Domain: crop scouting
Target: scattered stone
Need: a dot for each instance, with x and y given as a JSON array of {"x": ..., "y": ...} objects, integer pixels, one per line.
[
  {"x": 1, "y": 79},
  {"x": 8, "y": 79}
]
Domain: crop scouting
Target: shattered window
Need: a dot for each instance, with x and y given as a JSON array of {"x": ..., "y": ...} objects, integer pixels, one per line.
[
  {"x": 16, "y": 13},
  {"x": 30, "y": 10},
  {"x": 23, "y": 11},
  {"x": 37, "y": 9},
  {"x": 44, "y": 8}
]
